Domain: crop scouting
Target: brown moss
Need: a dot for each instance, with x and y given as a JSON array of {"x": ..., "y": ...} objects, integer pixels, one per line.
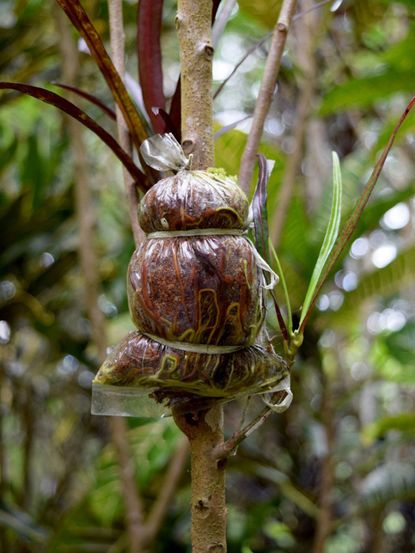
[
  {"x": 140, "y": 361},
  {"x": 204, "y": 290},
  {"x": 193, "y": 199}
]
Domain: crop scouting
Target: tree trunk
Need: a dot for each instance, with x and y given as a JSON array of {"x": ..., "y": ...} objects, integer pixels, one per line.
[{"x": 204, "y": 429}]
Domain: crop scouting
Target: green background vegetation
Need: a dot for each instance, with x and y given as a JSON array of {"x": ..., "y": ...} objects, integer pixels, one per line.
[{"x": 348, "y": 439}]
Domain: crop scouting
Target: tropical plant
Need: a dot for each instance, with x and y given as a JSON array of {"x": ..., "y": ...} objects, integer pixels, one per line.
[{"x": 332, "y": 473}]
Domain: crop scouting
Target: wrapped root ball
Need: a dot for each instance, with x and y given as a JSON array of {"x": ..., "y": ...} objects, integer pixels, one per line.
[
  {"x": 139, "y": 361},
  {"x": 203, "y": 290},
  {"x": 194, "y": 199}
]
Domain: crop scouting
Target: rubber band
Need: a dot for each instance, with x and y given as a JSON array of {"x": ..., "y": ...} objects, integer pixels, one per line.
[
  {"x": 283, "y": 386},
  {"x": 262, "y": 264},
  {"x": 210, "y": 349},
  {"x": 196, "y": 232}
]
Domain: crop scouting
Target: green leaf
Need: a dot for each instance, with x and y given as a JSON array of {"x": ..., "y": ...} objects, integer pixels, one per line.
[
  {"x": 400, "y": 345},
  {"x": 400, "y": 273},
  {"x": 280, "y": 272},
  {"x": 389, "y": 482},
  {"x": 366, "y": 91},
  {"x": 356, "y": 214},
  {"x": 403, "y": 422},
  {"x": 70, "y": 109},
  {"x": 21, "y": 523},
  {"x": 329, "y": 238}
]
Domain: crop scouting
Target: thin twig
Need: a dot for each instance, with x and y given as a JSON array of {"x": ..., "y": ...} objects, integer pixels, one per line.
[
  {"x": 89, "y": 265},
  {"x": 240, "y": 62},
  {"x": 266, "y": 92},
  {"x": 325, "y": 514},
  {"x": 147, "y": 529},
  {"x": 167, "y": 489},
  {"x": 117, "y": 51},
  {"x": 308, "y": 31},
  {"x": 223, "y": 450}
]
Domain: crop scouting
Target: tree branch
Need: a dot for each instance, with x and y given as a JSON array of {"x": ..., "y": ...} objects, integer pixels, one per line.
[
  {"x": 266, "y": 92},
  {"x": 117, "y": 50},
  {"x": 167, "y": 489},
  {"x": 89, "y": 265},
  {"x": 307, "y": 33},
  {"x": 193, "y": 22},
  {"x": 204, "y": 429},
  {"x": 223, "y": 450}
]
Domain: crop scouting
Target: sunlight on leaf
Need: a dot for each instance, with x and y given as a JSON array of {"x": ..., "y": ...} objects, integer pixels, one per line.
[
  {"x": 70, "y": 109},
  {"x": 402, "y": 422},
  {"x": 329, "y": 238}
]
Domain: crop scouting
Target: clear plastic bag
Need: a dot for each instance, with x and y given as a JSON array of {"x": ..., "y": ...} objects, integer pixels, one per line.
[{"x": 195, "y": 290}]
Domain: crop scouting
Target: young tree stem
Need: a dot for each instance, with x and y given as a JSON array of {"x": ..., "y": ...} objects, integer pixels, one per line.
[
  {"x": 204, "y": 429},
  {"x": 89, "y": 265},
  {"x": 193, "y": 22},
  {"x": 266, "y": 92},
  {"x": 117, "y": 39}
]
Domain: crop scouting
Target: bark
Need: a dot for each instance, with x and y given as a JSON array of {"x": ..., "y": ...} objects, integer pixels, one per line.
[
  {"x": 193, "y": 22},
  {"x": 204, "y": 429},
  {"x": 117, "y": 50}
]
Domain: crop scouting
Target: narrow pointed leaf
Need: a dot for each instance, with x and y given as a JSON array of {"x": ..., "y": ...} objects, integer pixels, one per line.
[
  {"x": 70, "y": 109},
  {"x": 90, "y": 97},
  {"x": 284, "y": 287},
  {"x": 329, "y": 238},
  {"x": 149, "y": 17},
  {"x": 259, "y": 210},
  {"x": 79, "y": 18},
  {"x": 260, "y": 216},
  {"x": 353, "y": 220}
]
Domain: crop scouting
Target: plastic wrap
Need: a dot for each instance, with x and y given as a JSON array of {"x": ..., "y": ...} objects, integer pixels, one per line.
[
  {"x": 140, "y": 361},
  {"x": 204, "y": 290},
  {"x": 195, "y": 289},
  {"x": 194, "y": 200}
]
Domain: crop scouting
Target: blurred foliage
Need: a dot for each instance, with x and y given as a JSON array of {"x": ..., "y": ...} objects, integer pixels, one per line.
[{"x": 351, "y": 425}]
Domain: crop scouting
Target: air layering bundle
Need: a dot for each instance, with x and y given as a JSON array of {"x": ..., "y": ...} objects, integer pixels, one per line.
[{"x": 195, "y": 289}]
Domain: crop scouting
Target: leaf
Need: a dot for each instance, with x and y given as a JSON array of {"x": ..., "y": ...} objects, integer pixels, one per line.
[
  {"x": 403, "y": 422},
  {"x": 259, "y": 210},
  {"x": 356, "y": 214},
  {"x": 90, "y": 97},
  {"x": 22, "y": 524},
  {"x": 388, "y": 482},
  {"x": 399, "y": 274},
  {"x": 400, "y": 345},
  {"x": 366, "y": 91},
  {"x": 70, "y": 109},
  {"x": 260, "y": 216},
  {"x": 285, "y": 290},
  {"x": 175, "y": 112},
  {"x": 85, "y": 27},
  {"x": 329, "y": 238},
  {"x": 149, "y": 17}
]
